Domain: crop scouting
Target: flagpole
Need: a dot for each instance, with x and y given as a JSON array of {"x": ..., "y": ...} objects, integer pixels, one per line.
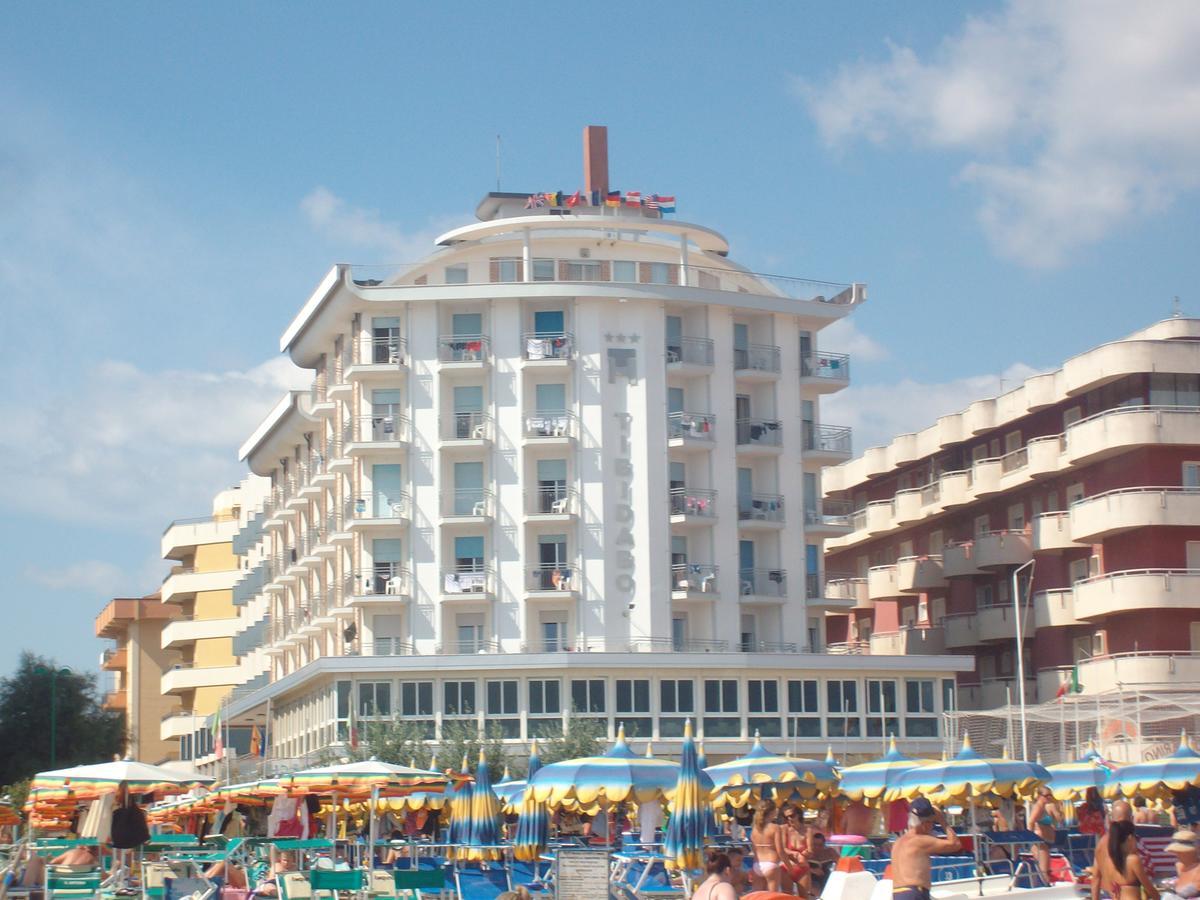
[
  {"x": 225, "y": 749},
  {"x": 266, "y": 747}
]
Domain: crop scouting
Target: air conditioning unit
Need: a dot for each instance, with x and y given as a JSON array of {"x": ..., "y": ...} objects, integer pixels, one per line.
[{"x": 585, "y": 253}]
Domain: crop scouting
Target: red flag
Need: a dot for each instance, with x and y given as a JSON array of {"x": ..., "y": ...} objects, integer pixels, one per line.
[
  {"x": 633, "y": 198},
  {"x": 575, "y": 199}
]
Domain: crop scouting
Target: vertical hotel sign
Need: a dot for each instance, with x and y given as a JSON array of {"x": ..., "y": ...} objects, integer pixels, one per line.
[{"x": 622, "y": 374}]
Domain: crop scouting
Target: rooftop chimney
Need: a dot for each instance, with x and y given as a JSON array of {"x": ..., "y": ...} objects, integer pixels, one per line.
[{"x": 595, "y": 158}]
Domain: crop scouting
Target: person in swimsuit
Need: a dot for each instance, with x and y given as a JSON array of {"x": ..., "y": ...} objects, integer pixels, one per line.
[
  {"x": 739, "y": 878},
  {"x": 766, "y": 839},
  {"x": 1120, "y": 869},
  {"x": 716, "y": 886},
  {"x": 911, "y": 877},
  {"x": 1187, "y": 865},
  {"x": 821, "y": 860},
  {"x": 1046, "y": 815},
  {"x": 1121, "y": 812},
  {"x": 795, "y": 848}
]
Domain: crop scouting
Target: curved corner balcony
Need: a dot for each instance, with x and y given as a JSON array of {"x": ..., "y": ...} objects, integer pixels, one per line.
[
  {"x": 847, "y": 592},
  {"x": 1003, "y": 548},
  {"x": 918, "y": 574},
  {"x": 1117, "y": 430},
  {"x": 1052, "y": 533},
  {"x": 1112, "y": 512},
  {"x": 1121, "y": 671},
  {"x": 1137, "y": 590},
  {"x": 1054, "y": 608}
]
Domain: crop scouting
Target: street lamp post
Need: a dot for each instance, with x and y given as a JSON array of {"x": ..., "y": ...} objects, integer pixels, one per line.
[
  {"x": 53, "y": 673},
  {"x": 1017, "y": 610}
]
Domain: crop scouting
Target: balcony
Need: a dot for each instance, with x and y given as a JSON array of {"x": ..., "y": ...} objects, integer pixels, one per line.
[
  {"x": 1101, "y": 515},
  {"x": 826, "y": 443},
  {"x": 551, "y": 427},
  {"x": 1000, "y": 549},
  {"x": 186, "y": 677},
  {"x": 874, "y": 518},
  {"x": 762, "y": 585},
  {"x": 759, "y": 436},
  {"x": 693, "y": 581},
  {"x": 958, "y": 560},
  {"x": 554, "y": 581},
  {"x": 825, "y": 372},
  {"x": 466, "y": 429},
  {"x": 996, "y": 693},
  {"x": 756, "y": 362},
  {"x": 386, "y": 646},
  {"x": 384, "y": 583},
  {"x": 467, "y": 506},
  {"x": 827, "y": 518},
  {"x": 1122, "y": 671},
  {"x": 1054, "y": 609},
  {"x": 552, "y": 503},
  {"x": 184, "y": 582},
  {"x": 960, "y": 631},
  {"x": 689, "y": 355},
  {"x": 182, "y": 536},
  {"x": 907, "y": 507},
  {"x": 378, "y": 512},
  {"x": 998, "y": 622},
  {"x": 371, "y": 355},
  {"x": 849, "y": 591},
  {"x": 908, "y": 641},
  {"x": 464, "y": 351},
  {"x": 882, "y": 583},
  {"x": 544, "y": 348},
  {"x": 918, "y": 574},
  {"x": 686, "y": 429},
  {"x": 188, "y": 631},
  {"x": 1045, "y": 456},
  {"x": 115, "y": 701},
  {"x": 467, "y": 582},
  {"x": 760, "y": 512},
  {"x": 985, "y": 476},
  {"x": 1137, "y": 590},
  {"x": 1052, "y": 533},
  {"x": 376, "y": 433},
  {"x": 955, "y": 489},
  {"x": 1117, "y": 430},
  {"x": 115, "y": 659},
  {"x": 179, "y": 723},
  {"x": 693, "y": 506}
]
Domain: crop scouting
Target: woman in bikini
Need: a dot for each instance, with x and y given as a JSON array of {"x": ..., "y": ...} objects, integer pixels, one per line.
[
  {"x": 1120, "y": 868},
  {"x": 716, "y": 886},
  {"x": 766, "y": 839},
  {"x": 1046, "y": 816},
  {"x": 795, "y": 846}
]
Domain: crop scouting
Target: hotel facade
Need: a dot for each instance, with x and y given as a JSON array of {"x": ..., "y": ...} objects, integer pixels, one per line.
[
  {"x": 568, "y": 465},
  {"x": 1083, "y": 482}
]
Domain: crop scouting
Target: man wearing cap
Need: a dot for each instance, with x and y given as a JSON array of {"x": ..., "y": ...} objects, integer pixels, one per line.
[
  {"x": 1187, "y": 864},
  {"x": 911, "y": 879}
]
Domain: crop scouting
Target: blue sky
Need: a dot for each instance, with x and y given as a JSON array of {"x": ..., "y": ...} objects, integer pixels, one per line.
[{"x": 1015, "y": 182}]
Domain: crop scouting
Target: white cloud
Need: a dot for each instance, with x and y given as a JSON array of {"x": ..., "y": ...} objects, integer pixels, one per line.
[
  {"x": 1075, "y": 116},
  {"x": 880, "y": 412},
  {"x": 844, "y": 336},
  {"x": 355, "y": 228},
  {"x": 130, "y": 446}
]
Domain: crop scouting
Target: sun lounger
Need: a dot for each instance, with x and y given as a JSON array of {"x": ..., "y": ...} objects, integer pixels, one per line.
[{"x": 414, "y": 884}]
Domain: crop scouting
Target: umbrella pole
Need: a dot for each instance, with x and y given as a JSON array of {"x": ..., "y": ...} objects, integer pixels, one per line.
[
  {"x": 371, "y": 832},
  {"x": 975, "y": 839},
  {"x": 331, "y": 825}
]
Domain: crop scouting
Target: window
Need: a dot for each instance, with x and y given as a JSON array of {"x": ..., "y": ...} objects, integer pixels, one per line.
[
  {"x": 1167, "y": 389},
  {"x": 658, "y": 273},
  {"x": 456, "y": 274},
  {"x": 344, "y": 691},
  {"x": 983, "y": 524},
  {"x": 587, "y": 695},
  {"x": 543, "y": 270},
  {"x": 549, "y": 398},
  {"x": 949, "y": 697},
  {"x": 1075, "y": 493},
  {"x": 920, "y": 719},
  {"x": 674, "y": 697},
  {"x": 624, "y": 270},
  {"x": 458, "y": 698},
  {"x": 583, "y": 270},
  {"x": 633, "y": 697},
  {"x": 842, "y": 703},
  {"x": 804, "y": 716},
  {"x": 1016, "y": 517},
  {"x": 1071, "y": 416},
  {"x": 762, "y": 696},
  {"x": 882, "y": 709},
  {"x": 507, "y": 269},
  {"x": 1191, "y": 476},
  {"x": 544, "y": 698},
  {"x": 1078, "y": 570},
  {"x": 502, "y": 708},
  {"x": 721, "y": 696},
  {"x": 416, "y": 698},
  {"x": 936, "y": 543},
  {"x": 375, "y": 699}
]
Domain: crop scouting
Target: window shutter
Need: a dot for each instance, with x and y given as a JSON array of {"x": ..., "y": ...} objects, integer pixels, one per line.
[
  {"x": 644, "y": 273},
  {"x": 605, "y": 270},
  {"x": 493, "y": 270},
  {"x": 563, "y": 271},
  {"x": 672, "y": 274}
]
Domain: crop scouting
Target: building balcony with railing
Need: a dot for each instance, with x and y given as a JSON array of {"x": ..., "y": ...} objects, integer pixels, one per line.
[
  {"x": 762, "y": 585},
  {"x": 757, "y": 510},
  {"x": 685, "y": 428},
  {"x": 382, "y": 431},
  {"x": 552, "y": 502},
  {"x": 828, "y": 517},
  {"x": 464, "y": 350},
  {"x": 850, "y": 589},
  {"x": 758, "y": 435},
  {"x": 386, "y": 352},
  {"x": 467, "y": 504},
  {"x": 378, "y": 510},
  {"x": 689, "y": 354},
  {"x": 555, "y": 579},
  {"x": 825, "y": 372},
  {"x": 689, "y": 579},
  {"x": 909, "y": 640},
  {"x": 826, "y": 442},
  {"x": 692, "y": 505},
  {"x": 548, "y": 347},
  {"x": 550, "y": 426},
  {"x": 468, "y": 428},
  {"x": 467, "y": 580},
  {"x": 756, "y": 361},
  {"x": 382, "y": 583}
]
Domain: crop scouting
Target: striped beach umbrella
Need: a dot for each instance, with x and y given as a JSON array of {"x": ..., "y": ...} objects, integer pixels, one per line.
[
  {"x": 482, "y": 826},
  {"x": 460, "y": 805},
  {"x": 615, "y": 777},
  {"x": 683, "y": 843},
  {"x": 361, "y": 779},
  {"x": 741, "y": 780},
  {"x": 1071, "y": 781},
  {"x": 968, "y": 777},
  {"x": 1159, "y": 778},
  {"x": 90, "y": 782},
  {"x": 870, "y": 781},
  {"x": 533, "y": 825}
]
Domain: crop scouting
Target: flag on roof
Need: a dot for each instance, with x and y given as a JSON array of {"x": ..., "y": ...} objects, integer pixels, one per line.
[
  {"x": 534, "y": 201},
  {"x": 613, "y": 198},
  {"x": 574, "y": 200},
  {"x": 594, "y": 199},
  {"x": 666, "y": 204},
  {"x": 633, "y": 198},
  {"x": 651, "y": 202}
]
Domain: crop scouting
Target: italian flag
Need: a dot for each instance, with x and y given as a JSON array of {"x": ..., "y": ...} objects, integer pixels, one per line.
[{"x": 1071, "y": 685}]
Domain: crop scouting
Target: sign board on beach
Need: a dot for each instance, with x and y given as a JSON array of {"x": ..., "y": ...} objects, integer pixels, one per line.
[{"x": 582, "y": 875}]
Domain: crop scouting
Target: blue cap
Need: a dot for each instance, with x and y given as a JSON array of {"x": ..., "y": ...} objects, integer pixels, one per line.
[{"x": 921, "y": 808}]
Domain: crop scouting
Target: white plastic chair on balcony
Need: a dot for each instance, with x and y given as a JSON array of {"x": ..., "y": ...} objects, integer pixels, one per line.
[
  {"x": 559, "y": 506},
  {"x": 480, "y": 508},
  {"x": 397, "y": 508},
  {"x": 394, "y": 586},
  {"x": 479, "y": 432}
]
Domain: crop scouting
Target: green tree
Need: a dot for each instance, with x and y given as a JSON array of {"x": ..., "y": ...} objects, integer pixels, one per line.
[
  {"x": 402, "y": 742},
  {"x": 84, "y": 733},
  {"x": 584, "y": 737}
]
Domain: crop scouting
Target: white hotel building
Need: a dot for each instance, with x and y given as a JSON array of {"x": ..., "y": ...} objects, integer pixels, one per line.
[{"x": 568, "y": 465}]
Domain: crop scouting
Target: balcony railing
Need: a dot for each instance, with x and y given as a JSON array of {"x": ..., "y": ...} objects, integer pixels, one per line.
[
  {"x": 551, "y": 423},
  {"x": 385, "y": 579},
  {"x": 386, "y": 646},
  {"x": 756, "y": 358},
  {"x": 762, "y": 582},
  {"x": 833, "y": 366},
  {"x": 826, "y": 438},
  {"x": 473, "y": 502},
  {"x": 849, "y": 648},
  {"x": 467, "y": 426},
  {"x": 693, "y": 502},
  {"x": 759, "y": 433},
  {"x": 176, "y": 713},
  {"x": 691, "y": 426},
  {"x": 460, "y": 348},
  {"x": 1016, "y": 459},
  {"x": 760, "y": 508},
  {"x": 455, "y": 648},
  {"x": 565, "y": 577},
  {"x": 380, "y": 351},
  {"x": 467, "y": 579},
  {"x": 690, "y": 351},
  {"x": 553, "y": 500},
  {"x": 829, "y": 512},
  {"x": 380, "y": 506},
  {"x": 812, "y": 585},
  {"x": 548, "y": 345},
  {"x": 377, "y": 428},
  {"x": 686, "y": 645},
  {"x": 753, "y": 646},
  {"x": 694, "y": 577}
]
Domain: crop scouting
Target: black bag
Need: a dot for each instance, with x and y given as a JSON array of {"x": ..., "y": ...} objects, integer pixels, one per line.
[{"x": 129, "y": 829}]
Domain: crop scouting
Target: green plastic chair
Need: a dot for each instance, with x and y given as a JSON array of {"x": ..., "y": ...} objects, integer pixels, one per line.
[
  {"x": 330, "y": 881},
  {"x": 63, "y": 885},
  {"x": 411, "y": 882}
]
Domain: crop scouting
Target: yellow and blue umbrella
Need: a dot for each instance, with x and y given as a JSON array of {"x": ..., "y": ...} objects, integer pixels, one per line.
[
  {"x": 533, "y": 825},
  {"x": 1159, "y": 778},
  {"x": 870, "y": 781},
  {"x": 968, "y": 777},
  {"x": 615, "y": 777},
  {"x": 1071, "y": 781},
  {"x": 683, "y": 843},
  {"x": 741, "y": 780},
  {"x": 482, "y": 826},
  {"x": 460, "y": 806}
]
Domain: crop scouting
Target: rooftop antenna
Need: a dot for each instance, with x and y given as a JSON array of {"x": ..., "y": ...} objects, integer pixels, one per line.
[
  {"x": 497, "y": 163},
  {"x": 1176, "y": 313}
]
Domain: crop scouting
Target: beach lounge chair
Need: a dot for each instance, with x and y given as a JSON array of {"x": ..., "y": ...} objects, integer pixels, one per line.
[
  {"x": 294, "y": 886},
  {"x": 381, "y": 884},
  {"x": 67, "y": 882},
  {"x": 326, "y": 883}
]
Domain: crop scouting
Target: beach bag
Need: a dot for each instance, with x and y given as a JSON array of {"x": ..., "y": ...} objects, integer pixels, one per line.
[{"x": 129, "y": 828}]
